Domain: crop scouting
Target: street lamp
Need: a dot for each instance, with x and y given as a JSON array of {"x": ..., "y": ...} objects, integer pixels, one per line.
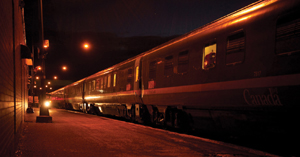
[
  {"x": 64, "y": 68},
  {"x": 44, "y": 112},
  {"x": 86, "y": 46}
]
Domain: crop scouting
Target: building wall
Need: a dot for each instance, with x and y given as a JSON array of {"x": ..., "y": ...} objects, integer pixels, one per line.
[{"x": 13, "y": 75}]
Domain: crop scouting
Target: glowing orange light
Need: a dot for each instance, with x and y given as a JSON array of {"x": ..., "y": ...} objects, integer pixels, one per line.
[
  {"x": 34, "y": 86},
  {"x": 241, "y": 19},
  {"x": 64, "y": 68},
  {"x": 37, "y": 77},
  {"x": 47, "y": 103},
  {"x": 40, "y": 88},
  {"x": 86, "y": 46},
  {"x": 38, "y": 68},
  {"x": 49, "y": 82},
  {"x": 50, "y": 88},
  {"x": 46, "y": 86},
  {"x": 46, "y": 43},
  {"x": 205, "y": 63},
  {"x": 55, "y": 77}
]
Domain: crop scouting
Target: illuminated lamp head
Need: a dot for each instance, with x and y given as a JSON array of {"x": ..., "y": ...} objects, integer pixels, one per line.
[{"x": 47, "y": 103}]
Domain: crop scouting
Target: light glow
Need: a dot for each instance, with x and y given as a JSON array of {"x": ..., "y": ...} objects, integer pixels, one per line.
[
  {"x": 92, "y": 97},
  {"x": 46, "y": 43},
  {"x": 64, "y": 68},
  {"x": 86, "y": 46},
  {"x": 47, "y": 103},
  {"x": 240, "y": 19}
]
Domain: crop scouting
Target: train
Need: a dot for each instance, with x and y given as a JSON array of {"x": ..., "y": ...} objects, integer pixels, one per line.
[{"x": 239, "y": 73}]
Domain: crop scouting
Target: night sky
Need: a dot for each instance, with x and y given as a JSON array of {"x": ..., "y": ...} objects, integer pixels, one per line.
[{"x": 115, "y": 29}]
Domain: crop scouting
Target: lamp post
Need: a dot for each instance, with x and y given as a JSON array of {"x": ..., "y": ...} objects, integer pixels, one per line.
[{"x": 44, "y": 112}]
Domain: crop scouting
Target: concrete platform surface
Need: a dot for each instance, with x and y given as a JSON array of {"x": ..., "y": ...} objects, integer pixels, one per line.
[{"x": 77, "y": 134}]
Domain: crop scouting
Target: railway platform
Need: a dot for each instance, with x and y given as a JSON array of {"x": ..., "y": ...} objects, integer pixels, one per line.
[{"x": 77, "y": 134}]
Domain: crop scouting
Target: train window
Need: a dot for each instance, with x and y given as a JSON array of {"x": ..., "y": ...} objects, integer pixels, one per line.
[
  {"x": 93, "y": 84},
  {"x": 288, "y": 34},
  {"x": 152, "y": 70},
  {"x": 209, "y": 57},
  {"x": 90, "y": 86},
  {"x": 168, "y": 69},
  {"x": 78, "y": 90},
  {"x": 97, "y": 84},
  {"x": 108, "y": 81},
  {"x": 115, "y": 80},
  {"x": 183, "y": 62},
  {"x": 129, "y": 75},
  {"x": 101, "y": 83},
  {"x": 235, "y": 51},
  {"x": 105, "y": 82}
]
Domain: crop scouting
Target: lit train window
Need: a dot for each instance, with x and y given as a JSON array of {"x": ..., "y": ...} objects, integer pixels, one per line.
[
  {"x": 209, "y": 57},
  {"x": 288, "y": 34},
  {"x": 108, "y": 81},
  {"x": 183, "y": 62},
  {"x": 115, "y": 80},
  {"x": 168, "y": 69},
  {"x": 136, "y": 73},
  {"x": 152, "y": 70},
  {"x": 235, "y": 52}
]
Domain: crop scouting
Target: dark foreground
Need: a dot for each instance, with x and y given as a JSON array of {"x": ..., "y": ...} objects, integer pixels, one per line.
[{"x": 77, "y": 134}]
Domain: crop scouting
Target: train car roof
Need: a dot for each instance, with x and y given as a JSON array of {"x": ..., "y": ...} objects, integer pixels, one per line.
[{"x": 233, "y": 17}]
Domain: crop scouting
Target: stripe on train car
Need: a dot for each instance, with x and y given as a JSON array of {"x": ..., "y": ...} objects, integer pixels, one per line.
[{"x": 272, "y": 81}]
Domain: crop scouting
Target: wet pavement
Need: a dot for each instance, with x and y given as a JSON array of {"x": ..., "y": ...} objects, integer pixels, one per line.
[{"x": 76, "y": 134}]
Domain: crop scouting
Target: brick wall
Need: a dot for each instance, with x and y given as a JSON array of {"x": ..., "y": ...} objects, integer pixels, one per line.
[{"x": 13, "y": 73}]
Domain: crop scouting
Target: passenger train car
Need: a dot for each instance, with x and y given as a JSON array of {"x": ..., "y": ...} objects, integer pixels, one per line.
[{"x": 238, "y": 73}]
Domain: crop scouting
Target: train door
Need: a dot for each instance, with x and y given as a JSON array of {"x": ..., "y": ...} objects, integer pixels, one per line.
[{"x": 137, "y": 80}]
